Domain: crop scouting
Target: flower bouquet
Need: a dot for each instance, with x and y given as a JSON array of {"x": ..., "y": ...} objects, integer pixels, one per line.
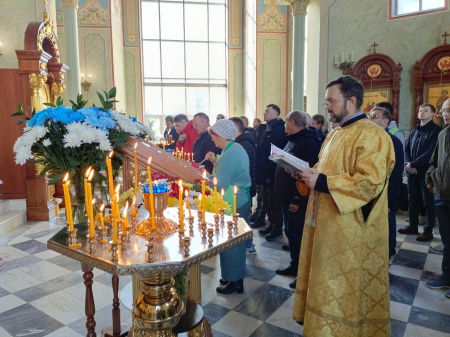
[{"x": 70, "y": 139}]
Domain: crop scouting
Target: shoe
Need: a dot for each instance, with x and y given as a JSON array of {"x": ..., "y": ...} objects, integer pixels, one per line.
[
  {"x": 266, "y": 230},
  {"x": 260, "y": 222},
  {"x": 254, "y": 216},
  {"x": 223, "y": 282},
  {"x": 231, "y": 287},
  {"x": 438, "y": 247},
  {"x": 288, "y": 271},
  {"x": 273, "y": 236},
  {"x": 447, "y": 293},
  {"x": 293, "y": 284},
  {"x": 408, "y": 230},
  {"x": 425, "y": 236},
  {"x": 438, "y": 283},
  {"x": 251, "y": 250},
  {"x": 285, "y": 247}
]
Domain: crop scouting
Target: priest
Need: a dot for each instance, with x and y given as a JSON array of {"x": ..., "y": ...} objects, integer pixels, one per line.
[{"x": 343, "y": 281}]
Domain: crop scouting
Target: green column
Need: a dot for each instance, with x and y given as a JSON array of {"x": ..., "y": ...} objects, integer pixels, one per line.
[
  {"x": 72, "y": 80},
  {"x": 298, "y": 52}
]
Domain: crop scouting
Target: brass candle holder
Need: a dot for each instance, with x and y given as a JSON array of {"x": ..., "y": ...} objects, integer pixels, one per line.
[
  {"x": 230, "y": 225},
  {"x": 235, "y": 218},
  {"x": 210, "y": 236},
  {"x": 92, "y": 241},
  {"x": 114, "y": 251},
  {"x": 222, "y": 215},
  {"x": 216, "y": 221},
  {"x": 73, "y": 238},
  {"x": 103, "y": 231},
  {"x": 180, "y": 236},
  {"x": 203, "y": 228},
  {"x": 191, "y": 222},
  {"x": 200, "y": 216},
  {"x": 151, "y": 251},
  {"x": 187, "y": 243},
  {"x": 120, "y": 238}
]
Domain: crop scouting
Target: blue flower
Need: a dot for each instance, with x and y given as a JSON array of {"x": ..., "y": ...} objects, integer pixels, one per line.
[{"x": 98, "y": 118}]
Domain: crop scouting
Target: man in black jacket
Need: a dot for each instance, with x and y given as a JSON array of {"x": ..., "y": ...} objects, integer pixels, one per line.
[
  {"x": 303, "y": 144},
  {"x": 383, "y": 117},
  {"x": 265, "y": 173},
  {"x": 418, "y": 150}
]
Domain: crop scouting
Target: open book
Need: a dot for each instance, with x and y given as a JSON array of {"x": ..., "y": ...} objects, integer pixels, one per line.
[{"x": 287, "y": 160}]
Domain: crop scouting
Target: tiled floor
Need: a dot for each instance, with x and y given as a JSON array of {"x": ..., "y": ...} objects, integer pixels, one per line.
[{"x": 42, "y": 292}]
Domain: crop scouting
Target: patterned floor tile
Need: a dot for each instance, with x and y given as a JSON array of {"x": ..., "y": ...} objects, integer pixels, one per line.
[
  {"x": 430, "y": 319},
  {"x": 260, "y": 274},
  {"x": 398, "y": 328},
  {"x": 9, "y": 302},
  {"x": 33, "y": 322},
  {"x": 205, "y": 269},
  {"x": 282, "y": 318},
  {"x": 403, "y": 290},
  {"x": 264, "y": 302},
  {"x": 65, "y": 262},
  {"x": 410, "y": 259},
  {"x": 214, "y": 312},
  {"x": 432, "y": 299},
  {"x": 3, "y": 292},
  {"x": 236, "y": 324},
  {"x": 266, "y": 329}
]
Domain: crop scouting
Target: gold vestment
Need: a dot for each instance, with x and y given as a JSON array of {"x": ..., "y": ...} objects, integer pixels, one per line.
[{"x": 343, "y": 281}]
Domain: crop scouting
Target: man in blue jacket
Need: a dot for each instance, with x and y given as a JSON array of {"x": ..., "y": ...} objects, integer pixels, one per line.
[
  {"x": 382, "y": 117},
  {"x": 418, "y": 150},
  {"x": 265, "y": 172}
]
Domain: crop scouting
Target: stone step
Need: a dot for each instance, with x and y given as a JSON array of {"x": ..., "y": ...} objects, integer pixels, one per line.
[
  {"x": 4, "y": 206},
  {"x": 11, "y": 220}
]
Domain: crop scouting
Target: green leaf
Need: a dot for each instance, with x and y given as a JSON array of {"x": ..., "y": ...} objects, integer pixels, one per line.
[
  {"x": 59, "y": 101},
  {"x": 106, "y": 95},
  {"x": 112, "y": 92},
  {"x": 102, "y": 100},
  {"x": 50, "y": 104},
  {"x": 34, "y": 112},
  {"x": 17, "y": 114}
]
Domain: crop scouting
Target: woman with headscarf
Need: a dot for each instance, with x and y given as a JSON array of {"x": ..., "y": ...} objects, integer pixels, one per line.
[{"x": 231, "y": 169}]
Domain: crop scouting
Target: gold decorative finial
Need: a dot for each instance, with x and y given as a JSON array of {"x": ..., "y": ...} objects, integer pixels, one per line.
[{"x": 46, "y": 16}]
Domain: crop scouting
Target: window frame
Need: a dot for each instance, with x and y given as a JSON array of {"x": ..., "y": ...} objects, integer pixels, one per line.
[
  {"x": 393, "y": 4},
  {"x": 185, "y": 81}
]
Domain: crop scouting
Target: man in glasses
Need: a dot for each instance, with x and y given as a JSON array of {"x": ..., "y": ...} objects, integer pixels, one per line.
[
  {"x": 383, "y": 117},
  {"x": 418, "y": 150},
  {"x": 343, "y": 281},
  {"x": 438, "y": 182}
]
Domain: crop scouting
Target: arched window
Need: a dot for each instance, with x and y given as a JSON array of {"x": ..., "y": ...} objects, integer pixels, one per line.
[
  {"x": 184, "y": 52},
  {"x": 402, "y": 8}
]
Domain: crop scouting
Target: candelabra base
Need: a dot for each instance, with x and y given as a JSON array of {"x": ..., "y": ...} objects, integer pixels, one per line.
[{"x": 162, "y": 228}]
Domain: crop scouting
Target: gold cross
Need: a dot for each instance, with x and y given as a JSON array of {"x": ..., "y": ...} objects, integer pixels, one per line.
[
  {"x": 445, "y": 37},
  {"x": 375, "y": 45}
]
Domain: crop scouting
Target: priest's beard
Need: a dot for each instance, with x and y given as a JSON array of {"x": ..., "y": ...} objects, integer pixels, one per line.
[{"x": 339, "y": 118}]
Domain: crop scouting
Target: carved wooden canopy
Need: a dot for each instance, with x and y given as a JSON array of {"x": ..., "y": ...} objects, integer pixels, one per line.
[
  {"x": 380, "y": 71},
  {"x": 433, "y": 68}
]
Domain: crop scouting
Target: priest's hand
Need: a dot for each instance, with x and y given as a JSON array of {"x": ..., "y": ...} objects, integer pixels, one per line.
[{"x": 309, "y": 178}]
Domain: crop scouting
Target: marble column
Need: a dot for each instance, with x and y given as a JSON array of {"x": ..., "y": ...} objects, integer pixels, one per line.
[
  {"x": 298, "y": 52},
  {"x": 73, "y": 81}
]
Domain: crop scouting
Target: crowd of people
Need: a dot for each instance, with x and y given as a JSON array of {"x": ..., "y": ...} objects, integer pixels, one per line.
[{"x": 339, "y": 216}]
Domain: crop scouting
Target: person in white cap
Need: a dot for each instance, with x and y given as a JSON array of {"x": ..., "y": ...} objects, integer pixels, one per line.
[{"x": 231, "y": 169}]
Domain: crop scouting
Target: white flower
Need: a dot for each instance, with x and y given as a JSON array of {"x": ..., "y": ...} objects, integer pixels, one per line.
[
  {"x": 46, "y": 142},
  {"x": 105, "y": 145},
  {"x": 74, "y": 127},
  {"x": 72, "y": 140}
]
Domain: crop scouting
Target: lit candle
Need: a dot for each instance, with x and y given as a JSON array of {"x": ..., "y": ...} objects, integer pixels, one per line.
[
  {"x": 188, "y": 156},
  {"x": 216, "y": 205},
  {"x": 135, "y": 171},
  {"x": 234, "y": 199},
  {"x": 150, "y": 186},
  {"x": 125, "y": 216},
  {"x": 67, "y": 200},
  {"x": 199, "y": 202},
  {"x": 91, "y": 207},
  {"x": 100, "y": 215},
  {"x": 170, "y": 139},
  {"x": 86, "y": 195},
  {"x": 186, "y": 194},
  {"x": 114, "y": 214},
  {"x": 180, "y": 198},
  {"x": 222, "y": 193},
  {"x": 110, "y": 175},
  {"x": 203, "y": 195}
]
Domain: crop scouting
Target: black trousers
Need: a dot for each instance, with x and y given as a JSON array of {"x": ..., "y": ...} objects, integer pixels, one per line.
[
  {"x": 294, "y": 222},
  {"x": 274, "y": 213}
]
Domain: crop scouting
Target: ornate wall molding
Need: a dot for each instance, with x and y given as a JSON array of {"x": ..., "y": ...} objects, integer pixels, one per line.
[{"x": 299, "y": 6}]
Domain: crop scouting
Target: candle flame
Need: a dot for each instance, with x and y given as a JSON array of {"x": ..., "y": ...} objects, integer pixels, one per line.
[
  {"x": 204, "y": 174},
  {"x": 88, "y": 171},
  {"x": 149, "y": 161},
  {"x": 215, "y": 181},
  {"x": 110, "y": 154},
  {"x": 222, "y": 192},
  {"x": 117, "y": 188},
  {"x": 91, "y": 174},
  {"x": 102, "y": 207},
  {"x": 199, "y": 197},
  {"x": 180, "y": 183},
  {"x": 68, "y": 182},
  {"x": 66, "y": 177},
  {"x": 135, "y": 146},
  {"x": 134, "y": 200},
  {"x": 93, "y": 201},
  {"x": 235, "y": 189},
  {"x": 186, "y": 193}
]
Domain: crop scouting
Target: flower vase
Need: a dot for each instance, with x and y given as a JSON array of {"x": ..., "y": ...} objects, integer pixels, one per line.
[{"x": 78, "y": 200}]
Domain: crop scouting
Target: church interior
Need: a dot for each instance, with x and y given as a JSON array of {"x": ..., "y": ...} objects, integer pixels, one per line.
[{"x": 169, "y": 57}]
